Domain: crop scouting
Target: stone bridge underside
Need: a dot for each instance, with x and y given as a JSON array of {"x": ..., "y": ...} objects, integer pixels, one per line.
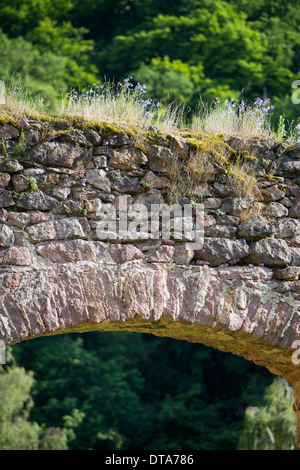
[{"x": 234, "y": 309}]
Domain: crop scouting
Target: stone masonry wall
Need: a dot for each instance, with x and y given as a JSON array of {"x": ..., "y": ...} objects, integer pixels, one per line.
[
  {"x": 58, "y": 274},
  {"x": 51, "y": 190},
  {"x": 239, "y": 292}
]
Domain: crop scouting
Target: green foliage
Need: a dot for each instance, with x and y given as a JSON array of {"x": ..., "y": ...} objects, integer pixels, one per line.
[
  {"x": 271, "y": 426},
  {"x": 20, "y": 146},
  {"x": 203, "y": 37},
  {"x": 180, "y": 80},
  {"x": 218, "y": 213},
  {"x": 4, "y": 150},
  {"x": 182, "y": 51},
  {"x": 32, "y": 183},
  {"x": 41, "y": 73},
  {"x": 146, "y": 186},
  {"x": 136, "y": 391},
  {"x": 281, "y": 132},
  {"x": 17, "y": 432}
]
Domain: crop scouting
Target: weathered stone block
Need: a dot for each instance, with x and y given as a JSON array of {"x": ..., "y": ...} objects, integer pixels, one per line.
[
  {"x": 178, "y": 145},
  {"x": 3, "y": 215},
  {"x": 287, "y": 228},
  {"x": 4, "y": 179},
  {"x": 127, "y": 185},
  {"x": 9, "y": 132},
  {"x": 271, "y": 252},
  {"x": 36, "y": 217},
  {"x": 272, "y": 194},
  {"x": 295, "y": 208},
  {"x": 221, "y": 231},
  {"x": 212, "y": 203},
  {"x": 71, "y": 251},
  {"x": 276, "y": 210},
  {"x": 183, "y": 254},
  {"x": 291, "y": 273},
  {"x": 163, "y": 254},
  {"x": 118, "y": 140},
  {"x": 160, "y": 158},
  {"x": 125, "y": 253},
  {"x": 6, "y": 199},
  {"x": 36, "y": 201},
  {"x": 100, "y": 161},
  {"x": 156, "y": 182},
  {"x": 20, "y": 183},
  {"x": 217, "y": 251},
  {"x": 61, "y": 193},
  {"x": 255, "y": 227},
  {"x": 127, "y": 159},
  {"x": 56, "y": 154},
  {"x": 6, "y": 234},
  {"x": 236, "y": 205},
  {"x": 17, "y": 256},
  {"x": 19, "y": 219},
  {"x": 98, "y": 179},
  {"x": 72, "y": 228},
  {"x": 93, "y": 137},
  {"x": 42, "y": 231},
  {"x": 11, "y": 166}
]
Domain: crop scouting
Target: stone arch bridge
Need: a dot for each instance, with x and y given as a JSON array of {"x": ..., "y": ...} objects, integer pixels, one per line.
[{"x": 239, "y": 292}]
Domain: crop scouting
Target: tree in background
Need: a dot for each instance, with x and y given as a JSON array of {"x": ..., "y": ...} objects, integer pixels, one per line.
[
  {"x": 137, "y": 391},
  {"x": 42, "y": 50},
  {"x": 17, "y": 432},
  {"x": 273, "y": 425},
  {"x": 183, "y": 51}
]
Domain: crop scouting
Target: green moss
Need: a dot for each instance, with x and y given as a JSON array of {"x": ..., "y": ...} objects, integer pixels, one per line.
[
  {"x": 41, "y": 117},
  {"x": 244, "y": 156},
  {"x": 214, "y": 145},
  {"x": 271, "y": 178},
  {"x": 7, "y": 119},
  {"x": 191, "y": 135},
  {"x": 156, "y": 138},
  {"x": 140, "y": 147},
  {"x": 106, "y": 129},
  {"x": 281, "y": 187}
]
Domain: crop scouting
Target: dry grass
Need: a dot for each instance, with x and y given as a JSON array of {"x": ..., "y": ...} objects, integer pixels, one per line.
[
  {"x": 211, "y": 157},
  {"x": 245, "y": 181},
  {"x": 256, "y": 209},
  {"x": 125, "y": 105},
  {"x": 128, "y": 104},
  {"x": 234, "y": 118},
  {"x": 20, "y": 102}
]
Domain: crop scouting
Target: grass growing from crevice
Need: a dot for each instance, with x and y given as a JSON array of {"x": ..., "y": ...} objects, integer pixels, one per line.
[
  {"x": 233, "y": 117},
  {"x": 121, "y": 102},
  {"x": 125, "y": 108},
  {"x": 127, "y": 104},
  {"x": 210, "y": 157}
]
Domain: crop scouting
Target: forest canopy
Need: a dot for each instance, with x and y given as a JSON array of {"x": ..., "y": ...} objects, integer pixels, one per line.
[{"x": 183, "y": 51}]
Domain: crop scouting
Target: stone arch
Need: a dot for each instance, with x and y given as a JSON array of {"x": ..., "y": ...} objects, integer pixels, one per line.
[{"x": 238, "y": 292}]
